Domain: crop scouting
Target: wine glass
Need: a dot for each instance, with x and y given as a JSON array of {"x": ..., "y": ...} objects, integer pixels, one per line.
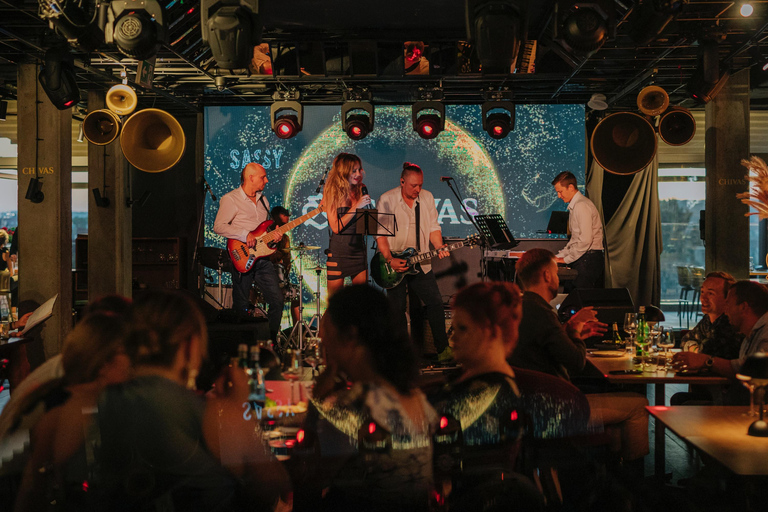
[
  {"x": 630, "y": 327},
  {"x": 747, "y": 381},
  {"x": 314, "y": 353},
  {"x": 666, "y": 342},
  {"x": 292, "y": 369}
]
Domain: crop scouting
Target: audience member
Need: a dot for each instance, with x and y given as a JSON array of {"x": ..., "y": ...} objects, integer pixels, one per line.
[
  {"x": 484, "y": 401},
  {"x": 374, "y": 437},
  {"x": 93, "y": 357},
  {"x": 714, "y": 335},
  {"x": 546, "y": 345},
  {"x": 746, "y": 306},
  {"x": 162, "y": 446}
]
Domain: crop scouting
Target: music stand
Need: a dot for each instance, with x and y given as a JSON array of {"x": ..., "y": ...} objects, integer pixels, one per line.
[
  {"x": 367, "y": 222},
  {"x": 558, "y": 223},
  {"x": 495, "y": 230}
]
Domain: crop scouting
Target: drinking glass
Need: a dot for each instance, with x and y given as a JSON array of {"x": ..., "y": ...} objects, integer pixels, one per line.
[
  {"x": 747, "y": 381},
  {"x": 292, "y": 370},
  {"x": 666, "y": 342},
  {"x": 630, "y": 327}
]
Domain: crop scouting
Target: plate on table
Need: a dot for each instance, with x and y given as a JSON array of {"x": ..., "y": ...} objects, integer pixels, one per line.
[{"x": 608, "y": 353}]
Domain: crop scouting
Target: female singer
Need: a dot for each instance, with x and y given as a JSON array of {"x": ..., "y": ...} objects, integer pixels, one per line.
[{"x": 342, "y": 197}]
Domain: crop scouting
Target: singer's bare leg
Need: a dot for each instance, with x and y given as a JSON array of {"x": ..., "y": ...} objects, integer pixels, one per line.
[{"x": 335, "y": 285}]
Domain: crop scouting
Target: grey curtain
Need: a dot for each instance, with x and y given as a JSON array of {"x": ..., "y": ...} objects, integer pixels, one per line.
[{"x": 632, "y": 235}]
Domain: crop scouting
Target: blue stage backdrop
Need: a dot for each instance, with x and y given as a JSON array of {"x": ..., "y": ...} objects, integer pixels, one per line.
[{"x": 510, "y": 176}]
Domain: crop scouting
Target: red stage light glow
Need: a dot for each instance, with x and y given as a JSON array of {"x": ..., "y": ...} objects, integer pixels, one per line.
[
  {"x": 443, "y": 422},
  {"x": 371, "y": 428}
]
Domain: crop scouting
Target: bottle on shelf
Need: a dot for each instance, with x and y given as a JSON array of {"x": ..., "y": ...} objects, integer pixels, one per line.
[
  {"x": 242, "y": 356},
  {"x": 258, "y": 394}
]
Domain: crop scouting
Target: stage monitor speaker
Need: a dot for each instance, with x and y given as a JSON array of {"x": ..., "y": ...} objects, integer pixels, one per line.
[
  {"x": 461, "y": 268},
  {"x": 611, "y": 304}
]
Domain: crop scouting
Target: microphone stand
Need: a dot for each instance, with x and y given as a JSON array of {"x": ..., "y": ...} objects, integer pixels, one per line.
[
  {"x": 483, "y": 240},
  {"x": 201, "y": 276}
]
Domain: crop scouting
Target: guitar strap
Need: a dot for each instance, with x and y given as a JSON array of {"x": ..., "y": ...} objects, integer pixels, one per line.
[
  {"x": 264, "y": 204},
  {"x": 418, "y": 225}
]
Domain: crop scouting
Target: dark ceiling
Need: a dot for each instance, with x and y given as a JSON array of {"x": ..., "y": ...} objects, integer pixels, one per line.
[{"x": 323, "y": 48}]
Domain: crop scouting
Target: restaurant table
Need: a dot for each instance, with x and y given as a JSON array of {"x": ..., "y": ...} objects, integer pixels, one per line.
[
  {"x": 607, "y": 364},
  {"x": 719, "y": 432}
]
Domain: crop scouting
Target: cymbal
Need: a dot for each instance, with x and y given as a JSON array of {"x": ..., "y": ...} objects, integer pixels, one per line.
[
  {"x": 304, "y": 248},
  {"x": 213, "y": 257}
]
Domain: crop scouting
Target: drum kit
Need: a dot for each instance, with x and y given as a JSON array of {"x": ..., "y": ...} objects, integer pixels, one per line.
[{"x": 218, "y": 260}]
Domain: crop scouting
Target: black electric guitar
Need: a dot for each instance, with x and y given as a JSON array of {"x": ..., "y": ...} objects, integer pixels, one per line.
[{"x": 386, "y": 277}]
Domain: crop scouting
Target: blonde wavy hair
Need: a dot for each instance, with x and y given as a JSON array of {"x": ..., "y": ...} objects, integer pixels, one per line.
[{"x": 338, "y": 192}]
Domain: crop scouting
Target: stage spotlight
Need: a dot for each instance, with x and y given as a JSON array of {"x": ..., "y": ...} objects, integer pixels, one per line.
[
  {"x": 585, "y": 26},
  {"x": 498, "y": 118},
  {"x": 57, "y": 77},
  {"x": 76, "y": 21},
  {"x": 35, "y": 191},
  {"x": 231, "y": 28},
  {"x": 649, "y": 19},
  {"x": 287, "y": 118},
  {"x": 135, "y": 27},
  {"x": 746, "y": 10},
  {"x": 707, "y": 80},
  {"x": 356, "y": 124},
  {"x": 497, "y": 27},
  {"x": 427, "y": 124}
]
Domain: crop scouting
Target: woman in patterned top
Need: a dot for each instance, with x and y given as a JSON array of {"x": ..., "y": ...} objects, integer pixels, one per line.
[{"x": 371, "y": 439}]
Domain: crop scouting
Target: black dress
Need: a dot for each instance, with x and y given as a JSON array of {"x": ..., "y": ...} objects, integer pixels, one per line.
[{"x": 347, "y": 250}]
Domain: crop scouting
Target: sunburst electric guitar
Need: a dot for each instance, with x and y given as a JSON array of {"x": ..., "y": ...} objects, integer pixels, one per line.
[
  {"x": 243, "y": 257},
  {"x": 386, "y": 277}
]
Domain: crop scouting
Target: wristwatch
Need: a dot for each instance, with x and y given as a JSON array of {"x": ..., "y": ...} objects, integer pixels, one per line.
[{"x": 709, "y": 362}]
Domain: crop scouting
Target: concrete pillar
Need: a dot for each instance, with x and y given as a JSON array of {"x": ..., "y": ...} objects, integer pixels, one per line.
[
  {"x": 727, "y": 143},
  {"x": 45, "y": 249},
  {"x": 109, "y": 228}
]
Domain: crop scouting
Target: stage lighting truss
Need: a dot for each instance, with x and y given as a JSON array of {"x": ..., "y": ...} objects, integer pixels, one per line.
[
  {"x": 357, "y": 119},
  {"x": 498, "y": 118},
  {"x": 287, "y": 118},
  {"x": 136, "y": 28},
  {"x": 428, "y": 118}
]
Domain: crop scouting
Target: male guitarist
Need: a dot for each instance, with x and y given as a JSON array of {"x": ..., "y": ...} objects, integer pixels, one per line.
[
  {"x": 416, "y": 221},
  {"x": 240, "y": 212}
]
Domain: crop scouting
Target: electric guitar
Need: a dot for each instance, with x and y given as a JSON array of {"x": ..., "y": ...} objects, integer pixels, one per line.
[
  {"x": 386, "y": 277},
  {"x": 243, "y": 257}
]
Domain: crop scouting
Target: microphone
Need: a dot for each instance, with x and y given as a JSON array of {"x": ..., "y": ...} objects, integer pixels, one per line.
[
  {"x": 322, "y": 182},
  {"x": 208, "y": 188},
  {"x": 364, "y": 191},
  {"x": 446, "y": 178}
]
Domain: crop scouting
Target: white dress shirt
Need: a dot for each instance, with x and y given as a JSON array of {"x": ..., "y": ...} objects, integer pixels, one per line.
[
  {"x": 392, "y": 202},
  {"x": 757, "y": 341},
  {"x": 586, "y": 229},
  {"x": 238, "y": 215}
]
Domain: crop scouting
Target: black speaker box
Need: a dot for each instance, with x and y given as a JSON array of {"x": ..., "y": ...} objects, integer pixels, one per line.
[{"x": 611, "y": 304}]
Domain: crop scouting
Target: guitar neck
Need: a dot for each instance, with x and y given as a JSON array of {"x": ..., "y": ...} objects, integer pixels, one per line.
[
  {"x": 431, "y": 254},
  {"x": 297, "y": 221}
]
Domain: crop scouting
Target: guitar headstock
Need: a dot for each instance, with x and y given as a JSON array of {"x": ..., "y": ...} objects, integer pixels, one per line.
[{"x": 472, "y": 240}]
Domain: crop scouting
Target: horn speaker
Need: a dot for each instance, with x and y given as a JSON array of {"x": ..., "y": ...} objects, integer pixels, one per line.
[
  {"x": 652, "y": 100},
  {"x": 677, "y": 126},
  {"x": 121, "y": 100},
  {"x": 101, "y": 127},
  {"x": 152, "y": 140},
  {"x": 623, "y": 143}
]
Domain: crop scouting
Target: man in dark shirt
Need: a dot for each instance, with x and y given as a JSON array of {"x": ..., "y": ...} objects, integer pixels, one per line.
[
  {"x": 714, "y": 335},
  {"x": 547, "y": 346}
]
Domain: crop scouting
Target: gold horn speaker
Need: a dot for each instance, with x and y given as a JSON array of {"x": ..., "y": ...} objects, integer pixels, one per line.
[
  {"x": 652, "y": 100},
  {"x": 121, "y": 100},
  {"x": 152, "y": 140},
  {"x": 677, "y": 126},
  {"x": 623, "y": 143},
  {"x": 101, "y": 127}
]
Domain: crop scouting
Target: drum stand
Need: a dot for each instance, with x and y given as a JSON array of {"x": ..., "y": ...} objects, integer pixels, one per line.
[
  {"x": 301, "y": 325},
  {"x": 317, "y": 316}
]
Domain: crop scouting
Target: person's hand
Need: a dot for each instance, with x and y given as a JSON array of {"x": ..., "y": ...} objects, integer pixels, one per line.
[
  {"x": 398, "y": 264},
  {"x": 250, "y": 239},
  {"x": 593, "y": 329},
  {"x": 560, "y": 260},
  {"x": 364, "y": 201},
  {"x": 22, "y": 321},
  {"x": 582, "y": 316},
  {"x": 689, "y": 361},
  {"x": 442, "y": 252}
]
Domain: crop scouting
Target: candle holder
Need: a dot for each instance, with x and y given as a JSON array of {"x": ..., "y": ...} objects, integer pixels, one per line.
[{"x": 755, "y": 369}]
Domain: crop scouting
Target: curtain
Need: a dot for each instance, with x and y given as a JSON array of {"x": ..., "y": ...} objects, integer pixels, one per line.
[{"x": 632, "y": 234}]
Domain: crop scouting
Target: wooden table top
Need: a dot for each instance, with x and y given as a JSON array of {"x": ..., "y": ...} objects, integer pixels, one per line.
[
  {"x": 608, "y": 364},
  {"x": 720, "y": 432}
]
